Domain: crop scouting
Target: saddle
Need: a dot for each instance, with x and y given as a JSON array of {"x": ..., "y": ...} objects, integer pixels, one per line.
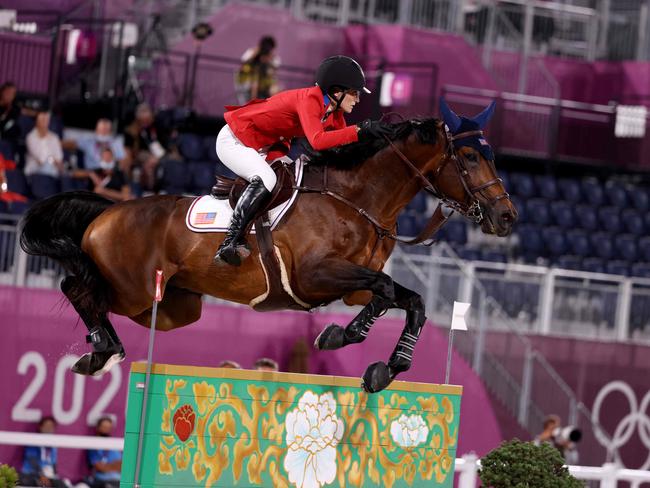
[
  {"x": 278, "y": 294},
  {"x": 231, "y": 189}
]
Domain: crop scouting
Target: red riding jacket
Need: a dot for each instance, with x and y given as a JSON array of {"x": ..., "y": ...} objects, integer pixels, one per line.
[{"x": 273, "y": 122}]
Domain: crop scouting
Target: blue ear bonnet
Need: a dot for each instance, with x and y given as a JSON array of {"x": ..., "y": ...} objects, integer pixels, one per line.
[{"x": 458, "y": 124}]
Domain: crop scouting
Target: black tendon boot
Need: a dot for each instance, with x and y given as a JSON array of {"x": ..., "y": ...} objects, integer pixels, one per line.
[
  {"x": 107, "y": 351},
  {"x": 251, "y": 200}
]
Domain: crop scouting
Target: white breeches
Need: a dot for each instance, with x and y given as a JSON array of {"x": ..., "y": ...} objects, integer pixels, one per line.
[{"x": 243, "y": 160}]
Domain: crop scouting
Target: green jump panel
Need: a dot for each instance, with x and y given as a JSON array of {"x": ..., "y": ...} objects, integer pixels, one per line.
[{"x": 217, "y": 427}]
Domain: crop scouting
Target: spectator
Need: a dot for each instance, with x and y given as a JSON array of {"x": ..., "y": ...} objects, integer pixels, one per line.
[
  {"x": 9, "y": 113},
  {"x": 266, "y": 364},
  {"x": 551, "y": 435},
  {"x": 145, "y": 145},
  {"x": 106, "y": 465},
  {"x": 256, "y": 77},
  {"x": 39, "y": 464},
  {"x": 92, "y": 146},
  {"x": 44, "y": 151},
  {"x": 227, "y": 363},
  {"x": 108, "y": 180}
]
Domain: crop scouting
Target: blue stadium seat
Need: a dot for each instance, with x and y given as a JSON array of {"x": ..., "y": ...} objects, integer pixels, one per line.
[
  {"x": 7, "y": 150},
  {"x": 456, "y": 232},
  {"x": 643, "y": 249},
  {"x": 638, "y": 195},
  {"x": 56, "y": 125},
  {"x": 569, "y": 262},
  {"x": 522, "y": 185},
  {"x": 593, "y": 265},
  {"x": 616, "y": 194},
  {"x": 578, "y": 241},
  {"x": 641, "y": 270},
  {"x": 633, "y": 221},
  {"x": 609, "y": 219},
  {"x": 494, "y": 256},
  {"x": 547, "y": 187},
  {"x": 593, "y": 191},
  {"x": 26, "y": 124},
  {"x": 191, "y": 147},
  {"x": 530, "y": 241},
  {"x": 570, "y": 189},
  {"x": 562, "y": 213},
  {"x": 617, "y": 267},
  {"x": 68, "y": 183},
  {"x": 17, "y": 182},
  {"x": 419, "y": 203},
  {"x": 43, "y": 186},
  {"x": 602, "y": 245},
  {"x": 176, "y": 176},
  {"x": 469, "y": 254},
  {"x": 18, "y": 208},
  {"x": 555, "y": 240},
  {"x": 586, "y": 217},
  {"x": 209, "y": 148},
  {"x": 201, "y": 177},
  {"x": 537, "y": 210},
  {"x": 406, "y": 225},
  {"x": 626, "y": 247}
]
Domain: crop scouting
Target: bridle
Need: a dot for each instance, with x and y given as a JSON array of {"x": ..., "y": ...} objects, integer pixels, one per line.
[{"x": 472, "y": 211}]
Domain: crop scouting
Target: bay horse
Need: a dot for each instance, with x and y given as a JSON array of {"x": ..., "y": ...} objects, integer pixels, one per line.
[{"x": 334, "y": 244}]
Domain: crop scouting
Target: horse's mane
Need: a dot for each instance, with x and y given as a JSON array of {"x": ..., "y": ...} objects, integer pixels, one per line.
[{"x": 352, "y": 155}]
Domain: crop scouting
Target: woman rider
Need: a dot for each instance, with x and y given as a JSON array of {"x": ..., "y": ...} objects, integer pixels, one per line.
[{"x": 262, "y": 130}]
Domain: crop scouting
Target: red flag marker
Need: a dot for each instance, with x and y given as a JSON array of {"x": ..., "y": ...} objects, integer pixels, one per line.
[{"x": 159, "y": 278}]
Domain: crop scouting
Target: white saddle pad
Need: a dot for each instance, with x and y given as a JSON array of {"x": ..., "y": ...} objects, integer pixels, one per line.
[{"x": 207, "y": 214}]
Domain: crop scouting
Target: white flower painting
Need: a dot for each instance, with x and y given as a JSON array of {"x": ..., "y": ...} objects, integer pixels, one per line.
[
  {"x": 313, "y": 432},
  {"x": 409, "y": 431}
]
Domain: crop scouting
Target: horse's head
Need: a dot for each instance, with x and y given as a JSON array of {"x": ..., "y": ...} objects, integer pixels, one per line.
[{"x": 467, "y": 178}]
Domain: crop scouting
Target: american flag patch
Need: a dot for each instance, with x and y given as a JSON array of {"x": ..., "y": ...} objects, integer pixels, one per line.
[
  {"x": 483, "y": 142},
  {"x": 205, "y": 218}
]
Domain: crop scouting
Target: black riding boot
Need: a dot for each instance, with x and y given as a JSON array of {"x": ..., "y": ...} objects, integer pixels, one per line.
[{"x": 251, "y": 200}]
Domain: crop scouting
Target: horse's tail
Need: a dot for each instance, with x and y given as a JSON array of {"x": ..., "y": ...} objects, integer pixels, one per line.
[{"x": 54, "y": 227}]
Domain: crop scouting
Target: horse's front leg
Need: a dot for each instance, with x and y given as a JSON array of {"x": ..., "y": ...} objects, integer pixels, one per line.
[
  {"x": 379, "y": 375},
  {"x": 334, "y": 336}
]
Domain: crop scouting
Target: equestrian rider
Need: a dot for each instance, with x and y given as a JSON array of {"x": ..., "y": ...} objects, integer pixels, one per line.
[{"x": 262, "y": 130}]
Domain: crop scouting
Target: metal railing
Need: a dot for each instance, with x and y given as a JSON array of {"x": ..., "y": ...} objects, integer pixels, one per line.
[{"x": 549, "y": 128}]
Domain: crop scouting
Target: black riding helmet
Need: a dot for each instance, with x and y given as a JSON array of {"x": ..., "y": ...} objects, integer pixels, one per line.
[{"x": 340, "y": 72}]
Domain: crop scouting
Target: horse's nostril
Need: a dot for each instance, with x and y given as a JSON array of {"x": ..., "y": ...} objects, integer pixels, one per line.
[{"x": 507, "y": 218}]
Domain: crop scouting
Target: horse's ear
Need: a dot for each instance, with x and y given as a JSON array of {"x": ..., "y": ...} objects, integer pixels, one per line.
[
  {"x": 484, "y": 117},
  {"x": 448, "y": 116}
]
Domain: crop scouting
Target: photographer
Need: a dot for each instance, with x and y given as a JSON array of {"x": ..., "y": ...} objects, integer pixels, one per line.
[{"x": 563, "y": 439}]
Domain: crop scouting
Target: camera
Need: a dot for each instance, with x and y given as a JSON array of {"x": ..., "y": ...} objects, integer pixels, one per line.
[{"x": 570, "y": 433}]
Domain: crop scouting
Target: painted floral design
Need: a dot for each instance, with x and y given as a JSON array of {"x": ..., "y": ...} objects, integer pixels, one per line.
[
  {"x": 409, "y": 431},
  {"x": 184, "y": 419},
  {"x": 313, "y": 432}
]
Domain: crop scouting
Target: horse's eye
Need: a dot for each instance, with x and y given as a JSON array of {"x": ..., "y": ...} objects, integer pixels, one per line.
[{"x": 471, "y": 157}]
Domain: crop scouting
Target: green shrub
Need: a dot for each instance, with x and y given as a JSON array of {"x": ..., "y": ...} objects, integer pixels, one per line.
[
  {"x": 517, "y": 464},
  {"x": 8, "y": 476}
]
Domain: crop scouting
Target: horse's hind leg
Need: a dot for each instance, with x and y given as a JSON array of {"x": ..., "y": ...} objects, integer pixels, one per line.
[
  {"x": 107, "y": 348},
  {"x": 379, "y": 375}
]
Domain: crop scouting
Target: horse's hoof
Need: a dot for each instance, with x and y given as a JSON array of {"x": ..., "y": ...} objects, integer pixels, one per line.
[
  {"x": 98, "y": 363},
  {"x": 376, "y": 378},
  {"x": 331, "y": 337}
]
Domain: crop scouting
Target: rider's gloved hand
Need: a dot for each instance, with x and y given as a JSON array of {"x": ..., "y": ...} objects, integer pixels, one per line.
[{"x": 373, "y": 129}]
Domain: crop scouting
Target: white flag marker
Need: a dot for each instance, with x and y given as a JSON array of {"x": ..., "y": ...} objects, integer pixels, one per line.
[
  {"x": 457, "y": 323},
  {"x": 458, "y": 316}
]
